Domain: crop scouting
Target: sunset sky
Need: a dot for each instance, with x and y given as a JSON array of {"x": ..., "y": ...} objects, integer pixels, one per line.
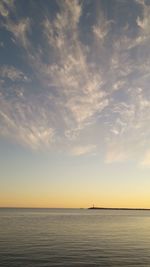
[{"x": 74, "y": 103}]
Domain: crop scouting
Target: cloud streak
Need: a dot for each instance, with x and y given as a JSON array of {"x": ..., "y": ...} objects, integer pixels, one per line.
[{"x": 83, "y": 150}]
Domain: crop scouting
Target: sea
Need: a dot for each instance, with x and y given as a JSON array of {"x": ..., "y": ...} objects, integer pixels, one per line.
[{"x": 74, "y": 237}]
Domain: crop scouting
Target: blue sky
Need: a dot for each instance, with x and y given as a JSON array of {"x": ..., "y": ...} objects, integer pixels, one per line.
[{"x": 74, "y": 101}]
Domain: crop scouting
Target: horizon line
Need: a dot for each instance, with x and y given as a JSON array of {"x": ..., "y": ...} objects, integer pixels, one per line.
[{"x": 92, "y": 208}]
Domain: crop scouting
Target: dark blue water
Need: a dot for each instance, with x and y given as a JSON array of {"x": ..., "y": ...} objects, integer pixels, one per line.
[{"x": 65, "y": 237}]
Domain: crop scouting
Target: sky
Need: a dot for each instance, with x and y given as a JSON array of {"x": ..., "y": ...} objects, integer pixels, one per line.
[{"x": 74, "y": 103}]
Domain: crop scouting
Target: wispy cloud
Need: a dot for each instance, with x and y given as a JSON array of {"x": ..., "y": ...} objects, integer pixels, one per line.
[
  {"x": 83, "y": 150},
  {"x": 5, "y": 7},
  {"x": 115, "y": 153},
  {"x": 77, "y": 78},
  {"x": 12, "y": 73},
  {"x": 76, "y": 82},
  {"x": 25, "y": 123},
  {"x": 145, "y": 162}
]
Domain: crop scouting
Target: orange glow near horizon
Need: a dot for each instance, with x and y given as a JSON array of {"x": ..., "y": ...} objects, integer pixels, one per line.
[{"x": 74, "y": 202}]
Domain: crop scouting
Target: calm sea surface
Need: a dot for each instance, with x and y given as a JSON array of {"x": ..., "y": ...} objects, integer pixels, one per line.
[{"x": 67, "y": 237}]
